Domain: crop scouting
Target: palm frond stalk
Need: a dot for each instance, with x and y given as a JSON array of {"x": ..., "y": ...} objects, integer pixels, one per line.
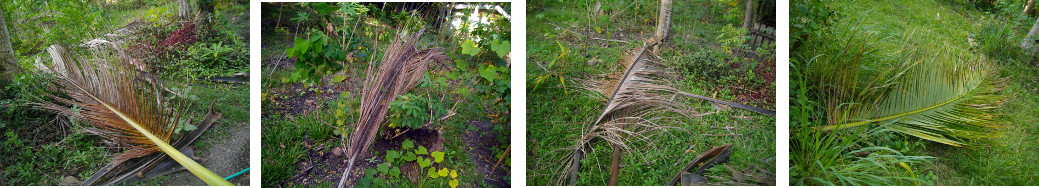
[
  {"x": 105, "y": 91},
  {"x": 403, "y": 65},
  {"x": 943, "y": 99}
]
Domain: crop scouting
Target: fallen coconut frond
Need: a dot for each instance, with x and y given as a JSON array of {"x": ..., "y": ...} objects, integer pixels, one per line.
[
  {"x": 403, "y": 65},
  {"x": 636, "y": 94},
  {"x": 636, "y": 98},
  {"x": 104, "y": 90}
]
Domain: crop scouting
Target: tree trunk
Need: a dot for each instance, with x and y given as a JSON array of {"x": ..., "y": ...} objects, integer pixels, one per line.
[
  {"x": 748, "y": 15},
  {"x": 1029, "y": 6},
  {"x": 183, "y": 9},
  {"x": 664, "y": 20},
  {"x": 8, "y": 63},
  {"x": 1028, "y": 43}
]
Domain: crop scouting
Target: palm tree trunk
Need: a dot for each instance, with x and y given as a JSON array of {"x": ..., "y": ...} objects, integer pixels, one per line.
[
  {"x": 664, "y": 20},
  {"x": 8, "y": 63}
]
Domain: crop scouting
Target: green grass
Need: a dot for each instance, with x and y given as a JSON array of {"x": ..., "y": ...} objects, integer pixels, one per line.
[
  {"x": 1007, "y": 159},
  {"x": 556, "y": 116},
  {"x": 892, "y": 29}
]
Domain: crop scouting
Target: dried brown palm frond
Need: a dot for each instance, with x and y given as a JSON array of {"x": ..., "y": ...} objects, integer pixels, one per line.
[
  {"x": 103, "y": 90},
  {"x": 637, "y": 96},
  {"x": 403, "y": 65}
]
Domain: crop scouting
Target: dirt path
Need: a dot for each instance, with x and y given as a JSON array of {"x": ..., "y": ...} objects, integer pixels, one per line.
[
  {"x": 223, "y": 158},
  {"x": 483, "y": 157}
]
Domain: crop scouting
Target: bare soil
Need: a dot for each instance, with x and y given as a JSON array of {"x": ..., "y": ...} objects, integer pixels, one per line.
[{"x": 225, "y": 158}]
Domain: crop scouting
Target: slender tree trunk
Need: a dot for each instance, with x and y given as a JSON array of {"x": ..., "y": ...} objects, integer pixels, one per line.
[
  {"x": 1028, "y": 43},
  {"x": 748, "y": 15},
  {"x": 1029, "y": 6},
  {"x": 664, "y": 20},
  {"x": 8, "y": 63},
  {"x": 183, "y": 9}
]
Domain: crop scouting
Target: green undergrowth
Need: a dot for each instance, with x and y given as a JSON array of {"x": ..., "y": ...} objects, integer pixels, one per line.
[{"x": 327, "y": 72}]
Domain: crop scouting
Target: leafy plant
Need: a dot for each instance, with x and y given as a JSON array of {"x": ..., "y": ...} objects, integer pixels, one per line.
[
  {"x": 564, "y": 64},
  {"x": 469, "y": 48},
  {"x": 807, "y": 20},
  {"x": 409, "y": 153},
  {"x": 206, "y": 60},
  {"x": 413, "y": 111},
  {"x": 731, "y": 39},
  {"x": 316, "y": 57}
]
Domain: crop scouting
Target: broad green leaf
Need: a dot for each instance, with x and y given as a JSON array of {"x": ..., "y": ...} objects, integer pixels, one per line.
[
  {"x": 339, "y": 78},
  {"x": 453, "y": 183},
  {"x": 462, "y": 65},
  {"x": 391, "y": 155},
  {"x": 442, "y": 172},
  {"x": 291, "y": 52},
  {"x": 423, "y": 162},
  {"x": 462, "y": 91},
  {"x": 452, "y": 75},
  {"x": 437, "y": 156},
  {"x": 469, "y": 48},
  {"x": 408, "y": 144},
  {"x": 454, "y": 174},
  {"x": 384, "y": 167},
  {"x": 303, "y": 45},
  {"x": 433, "y": 173},
  {"x": 489, "y": 73},
  {"x": 501, "y": 48},
  {"x": 421, "y": 150},
  {"x": 395, "y": 172},
  {"x": 442, "y": 81},
  {"x": 410, "y": 156}
]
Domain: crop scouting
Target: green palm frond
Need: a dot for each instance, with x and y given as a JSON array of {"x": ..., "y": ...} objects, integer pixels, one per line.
[{"x": 944, "y": 98}]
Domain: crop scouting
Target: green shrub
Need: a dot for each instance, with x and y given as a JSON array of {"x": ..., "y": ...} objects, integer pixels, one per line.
[{"x": 205, "y": 60}]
